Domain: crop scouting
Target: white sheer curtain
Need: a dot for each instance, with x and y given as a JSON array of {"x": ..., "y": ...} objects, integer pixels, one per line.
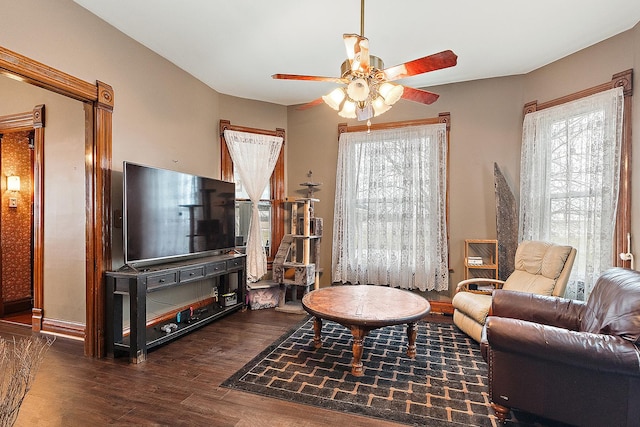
[
  {"x": 390, "y": 208},
  {"x": 254, "y": 156},
  {"x": 569, "y": 178}
]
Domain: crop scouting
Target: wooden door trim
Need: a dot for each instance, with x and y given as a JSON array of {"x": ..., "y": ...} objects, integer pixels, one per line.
[{"x": 99, "y": 100}]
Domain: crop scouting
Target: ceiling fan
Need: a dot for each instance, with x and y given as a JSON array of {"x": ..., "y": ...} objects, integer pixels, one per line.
[{"x": 369, "y": 91}]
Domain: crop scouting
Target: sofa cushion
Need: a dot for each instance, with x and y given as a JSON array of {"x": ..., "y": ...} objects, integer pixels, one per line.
[
  {"x": 532, "y": 283},
  {"x": 529, "y": 256},
  {"x": 543, "y": 258},
  {"x": 537, "y": 267},
  {"x": 613, "y": 307},
  {"x": 553, "y": 261},
  {"x": 473, "y": 305}
]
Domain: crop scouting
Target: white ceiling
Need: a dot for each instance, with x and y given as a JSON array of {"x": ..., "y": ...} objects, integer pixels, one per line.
[{"x": 234, "y": 46}]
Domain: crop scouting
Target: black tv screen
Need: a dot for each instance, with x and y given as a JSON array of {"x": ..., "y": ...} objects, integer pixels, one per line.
[{"x": 170, "y": 215}]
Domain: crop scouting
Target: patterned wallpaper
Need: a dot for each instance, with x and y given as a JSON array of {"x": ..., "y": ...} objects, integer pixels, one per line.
[{"x": 15, "y": 223}]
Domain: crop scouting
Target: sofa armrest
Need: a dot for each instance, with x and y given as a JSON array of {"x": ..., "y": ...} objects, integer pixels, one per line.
[
  {"x": 604, "y": 353},
  {"x": 463, "y": 286},
  {"x": 554, "y": 311}
]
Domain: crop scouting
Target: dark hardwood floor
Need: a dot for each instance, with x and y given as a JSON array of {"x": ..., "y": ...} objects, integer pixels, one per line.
[
  {"x": 21, "y": 318},
  {"x": 178, "y": 385}
]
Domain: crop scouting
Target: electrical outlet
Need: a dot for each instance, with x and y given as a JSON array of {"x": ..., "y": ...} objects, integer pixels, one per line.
[{"x": 13, "y": 202}]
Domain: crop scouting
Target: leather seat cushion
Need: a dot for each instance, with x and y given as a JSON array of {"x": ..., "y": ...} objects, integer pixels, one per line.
[
  {"x": 473, "y": 305},
  {"x": 532, "y": 283},
  {"x": 537, "y": 267}
]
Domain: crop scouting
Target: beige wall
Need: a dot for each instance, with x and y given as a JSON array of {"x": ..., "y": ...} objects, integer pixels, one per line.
[
  {"x": 164, "y": 117},
  {"x": 64, "y": 176}
]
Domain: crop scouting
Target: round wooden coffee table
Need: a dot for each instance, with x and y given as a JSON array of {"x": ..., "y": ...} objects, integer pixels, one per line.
[{"x": 362, "y": 308}]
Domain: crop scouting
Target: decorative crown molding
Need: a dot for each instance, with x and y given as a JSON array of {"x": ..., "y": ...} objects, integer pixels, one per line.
[
  {"x": 623, "y": 79},
  {"x": 105, "y": 95},
  {"x": 38, "y": 116}
]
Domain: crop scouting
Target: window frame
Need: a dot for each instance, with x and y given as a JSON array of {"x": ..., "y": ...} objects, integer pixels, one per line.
[
  {"x": 623, "y": 79},
  {"x": 277, "y": 196},
  {"x": 444, "y": 117}
]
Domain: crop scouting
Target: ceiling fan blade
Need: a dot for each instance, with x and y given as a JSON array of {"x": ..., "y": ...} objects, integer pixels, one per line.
[
  {"x": 309, "y": 78},
  {"x": 419, "y": 95},
  {"x": 357, "y": 52},
  {"x": 433, "y": 62},
  {"x": 311, "y": 104}
]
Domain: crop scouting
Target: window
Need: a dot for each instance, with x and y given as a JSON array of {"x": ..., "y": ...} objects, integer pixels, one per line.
[
  {"x": 243, "y": 214},
  {"x": 574, "y": 181},
  {"x": 391, "y": 208},
  {"x": 271, "y": 211}
]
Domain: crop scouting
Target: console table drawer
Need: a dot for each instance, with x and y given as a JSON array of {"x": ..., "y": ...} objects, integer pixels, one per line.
[
  {"x": 191, "y": 274},
  {"x": 161, "y": 280},
  {"x": 215, "y": 268},
  {"x": 235, "y": 263}
]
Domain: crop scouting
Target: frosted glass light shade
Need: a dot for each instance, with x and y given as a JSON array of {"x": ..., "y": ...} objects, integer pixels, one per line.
[
  {"x": 348, "y": 110},
  {"x": 358, "y": 90},
  {"x": 379, "y": 106},
  {"x": 334, "y": 98},
  {"x": 13, "y": 183},
  {"x": 390, "y": 92}
]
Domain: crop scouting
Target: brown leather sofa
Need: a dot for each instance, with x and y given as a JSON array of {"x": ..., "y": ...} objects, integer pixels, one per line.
[{"x": 566, "y": 360}]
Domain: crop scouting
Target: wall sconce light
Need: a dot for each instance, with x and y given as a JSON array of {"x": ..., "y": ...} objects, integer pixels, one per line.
[{"x": 13, "y": 183}]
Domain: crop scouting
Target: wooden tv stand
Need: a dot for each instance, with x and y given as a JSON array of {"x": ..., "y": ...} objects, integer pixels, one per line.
[{"x": 137, "y": 283}]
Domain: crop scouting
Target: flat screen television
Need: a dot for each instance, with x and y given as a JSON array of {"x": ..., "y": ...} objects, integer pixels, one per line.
[{"x": 170, "y": 215}]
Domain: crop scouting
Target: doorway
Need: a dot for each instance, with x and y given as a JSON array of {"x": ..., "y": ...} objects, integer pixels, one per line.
[{"x": 17, "y": 219}]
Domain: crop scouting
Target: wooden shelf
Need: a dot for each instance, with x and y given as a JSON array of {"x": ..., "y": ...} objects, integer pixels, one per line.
[
  {"x": 483, "y": 266},
  {"x": 485, "y": 250}
]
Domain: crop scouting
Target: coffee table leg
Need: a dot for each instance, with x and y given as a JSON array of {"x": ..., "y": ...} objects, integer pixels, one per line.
[
  {"x": 412, "y": 333},
  {"x": 358, "y": 344},
  {"x": 317, "y": 329}
]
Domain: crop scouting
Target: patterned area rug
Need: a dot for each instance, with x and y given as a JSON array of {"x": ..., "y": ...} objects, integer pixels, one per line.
[{"x": 446, "y": 384}]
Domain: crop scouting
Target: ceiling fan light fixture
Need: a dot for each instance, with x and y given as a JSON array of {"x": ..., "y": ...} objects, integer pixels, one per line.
[
  {"x": 348, "y": 110},
  {"x": 358, "y": 90},
  {"x": 367, "y": 90},
  {"x": 390, "y": 92},
  {"x": 334, "y": 98}
]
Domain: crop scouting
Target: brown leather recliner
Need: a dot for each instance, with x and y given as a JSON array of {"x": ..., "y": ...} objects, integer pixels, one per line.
[{"x": 566, "y": 360}]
